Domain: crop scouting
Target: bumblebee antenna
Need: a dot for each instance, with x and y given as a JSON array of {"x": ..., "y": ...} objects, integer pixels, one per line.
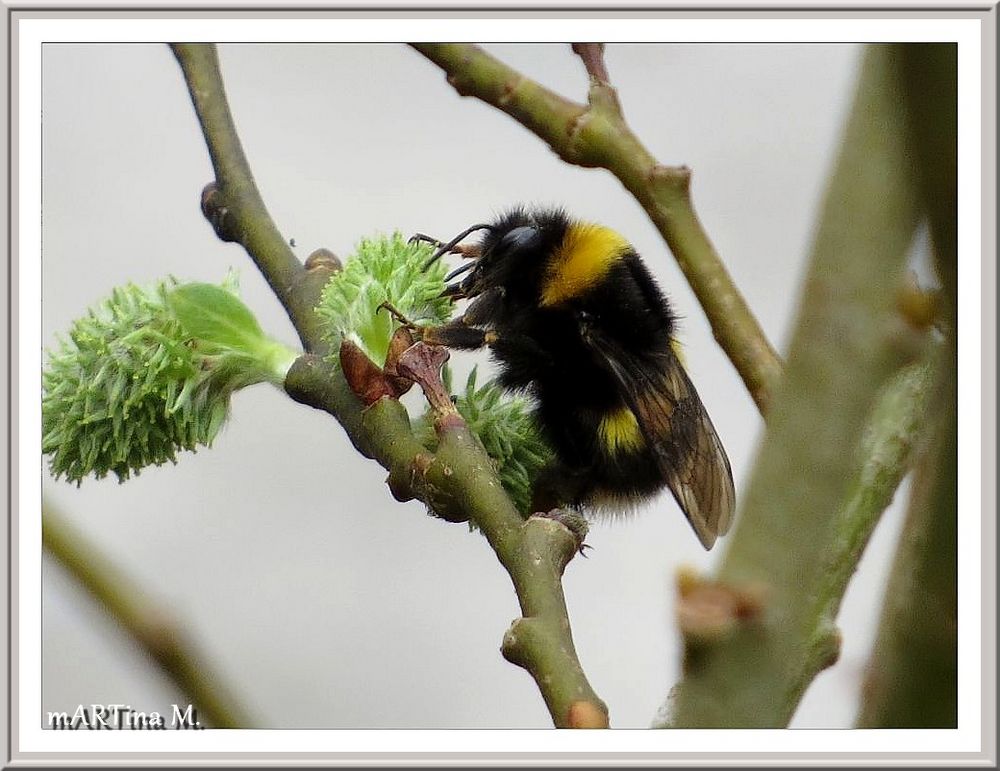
[{"x": 445, "y": 248}]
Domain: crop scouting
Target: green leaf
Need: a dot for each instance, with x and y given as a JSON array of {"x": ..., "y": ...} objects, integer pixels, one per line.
[{"x": 216, "y": 316}]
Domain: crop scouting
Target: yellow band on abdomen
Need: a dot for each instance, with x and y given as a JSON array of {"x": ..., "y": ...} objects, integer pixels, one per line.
[{"x": 619, "y": 432}]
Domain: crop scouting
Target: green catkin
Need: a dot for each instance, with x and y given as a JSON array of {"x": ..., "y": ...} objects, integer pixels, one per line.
[
  {"x": 382, "y": 269},
  {"x": 131, "y": 386},
  {"x": 388, "y": 269}
]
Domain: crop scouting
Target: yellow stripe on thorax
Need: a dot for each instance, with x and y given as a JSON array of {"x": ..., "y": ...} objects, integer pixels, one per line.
[
  {"x": 585, "y": 255},
  {"x": 619, "y": 431}
]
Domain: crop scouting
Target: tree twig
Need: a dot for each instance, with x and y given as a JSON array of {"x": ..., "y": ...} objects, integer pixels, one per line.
[
  {"x": 457, "y": 481},
  {"x": 233, "y": 204},
  {"x": 596, "y": 135},
  {"x": 848, "y": 342},
  {"x": 150, "y": 626},
  {"x": 592, "y": 55}
]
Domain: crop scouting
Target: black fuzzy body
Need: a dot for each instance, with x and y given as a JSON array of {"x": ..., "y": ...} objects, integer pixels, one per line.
[
  {"x": 589, "y": 344},
  {"x": 541, "y": 352}
]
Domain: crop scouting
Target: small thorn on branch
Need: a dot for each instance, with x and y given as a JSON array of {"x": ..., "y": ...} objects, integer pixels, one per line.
[
  {"x": 422, "y": 363},
  {"x": 402, "y": 477}
]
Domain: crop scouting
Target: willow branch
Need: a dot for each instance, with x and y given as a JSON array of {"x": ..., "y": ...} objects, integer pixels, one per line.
[
  {"x": 912, "y": 678},
  {"x": 151, "y": 627},
  {"x": 596, "y": 135},
  {"x": 233, "y": 204},
  {"x": 848, "y": 343},
  {"x": 457, "y": 481}
]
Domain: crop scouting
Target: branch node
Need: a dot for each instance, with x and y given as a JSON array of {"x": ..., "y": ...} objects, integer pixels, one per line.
[
  {"x": 586, "y": 714},
  {"x": 215, "y": 208},
  {"x": 674, "y": 177},
  {"x": 710, "y": 611},
  {"x": 603, "y": 98},
  {"x": 400, "y": 479},
  {"x": 457, "y": 83},
  {"x": 828, "y": 645},
  {"x": 323, "y": 259},
  {"x": 510, "y": 647},
  {"x": 572, "y": 522},
  {"x": 920, "y": 307},
  {"x": 508, "y": 88},
  {"x": 523, "y": 639}
]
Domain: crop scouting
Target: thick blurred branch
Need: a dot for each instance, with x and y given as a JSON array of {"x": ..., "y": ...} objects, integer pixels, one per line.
[
  {"x": 458, "y": 481},
  {"x": 152, "y": 628},
  {"x": 912, "y": 679},
  {"x": 596, "y": 135},
  {"x": 798, "y": 519}
]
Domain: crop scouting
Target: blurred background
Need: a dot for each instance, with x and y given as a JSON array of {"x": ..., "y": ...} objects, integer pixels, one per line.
[{"x": 324, "y": 603}]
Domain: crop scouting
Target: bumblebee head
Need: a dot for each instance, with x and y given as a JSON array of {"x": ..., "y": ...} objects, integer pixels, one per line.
[{"x": 511, "y": 254}]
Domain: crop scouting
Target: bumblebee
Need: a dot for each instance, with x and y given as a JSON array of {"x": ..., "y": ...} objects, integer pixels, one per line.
[{"x": 573, "y": 318}]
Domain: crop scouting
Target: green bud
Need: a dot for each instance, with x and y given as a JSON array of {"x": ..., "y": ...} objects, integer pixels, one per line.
[
  {"x": 148, "y": 373},
  {"x": 382, "y": 269}
]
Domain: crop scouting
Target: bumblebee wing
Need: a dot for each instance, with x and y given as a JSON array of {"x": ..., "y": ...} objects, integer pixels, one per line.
[{"x": 676, "y": 426}]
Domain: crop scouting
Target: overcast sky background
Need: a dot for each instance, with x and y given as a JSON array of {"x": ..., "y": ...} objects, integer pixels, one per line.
[{"x": 325, "y": 603}]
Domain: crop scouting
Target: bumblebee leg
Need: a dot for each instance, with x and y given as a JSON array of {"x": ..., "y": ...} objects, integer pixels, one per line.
[
  {"x": 557, "y": 486},
  {"x": 417, "y": 238},
  {"x": 556, "y": 489},
  {"x": 466, "y": 250},
  {"x": 467, "y": 332},
  {"x": 457, "y": 334}
]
